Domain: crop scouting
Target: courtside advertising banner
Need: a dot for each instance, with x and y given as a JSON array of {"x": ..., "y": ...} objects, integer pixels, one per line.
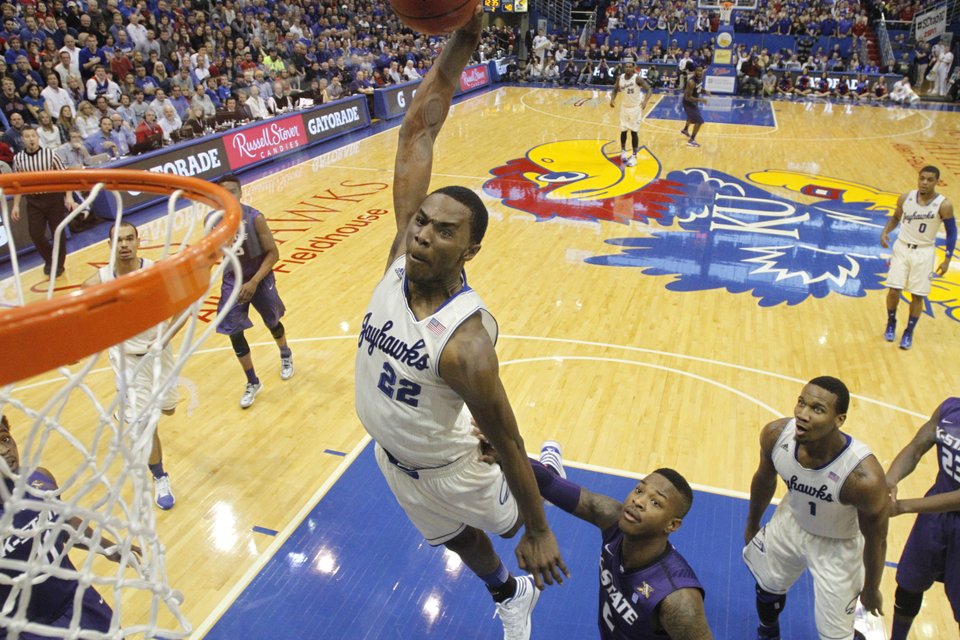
[
  {"x": 393, "y": 101},
  {"x": 336, "y": 118},
  {"x": 931, "y": 24},
  {"x": 273, "y": 137}
]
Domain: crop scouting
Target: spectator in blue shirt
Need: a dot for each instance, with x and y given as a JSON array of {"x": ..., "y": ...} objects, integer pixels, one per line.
[
  {"x": 180, "y": 102},
  {"x": 30, "y": 31},
  {"x": 14, "y": 50},
  {"x": 90, "y": 58},
  {"x": 102, "y": 140},
  {"x": 145, "y": 82},
  {"x": 23, "y": 75}
]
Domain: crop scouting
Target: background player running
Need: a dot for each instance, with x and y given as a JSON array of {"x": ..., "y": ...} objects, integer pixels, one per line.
[
  {"x": 919, "y": 214},
  {"x": 257, "y": 255}
]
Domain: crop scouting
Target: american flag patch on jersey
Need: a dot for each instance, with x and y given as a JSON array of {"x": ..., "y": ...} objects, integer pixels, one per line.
[
  {"x": 834, "y": 477},
  {"x": 436, "y": 327}
]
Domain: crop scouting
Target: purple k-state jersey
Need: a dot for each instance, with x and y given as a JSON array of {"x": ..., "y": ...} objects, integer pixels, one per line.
[
  {"x": 629, "y": 599},
  {"x": 51, "y": 597},
  {"x": 251, "y": 251},
  {"x": 948, "y": 447}
]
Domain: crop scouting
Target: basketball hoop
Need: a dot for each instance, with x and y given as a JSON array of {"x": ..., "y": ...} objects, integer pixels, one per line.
[
  {"x": 78, "y": 421},
  {"x": 726, "y": 11}
]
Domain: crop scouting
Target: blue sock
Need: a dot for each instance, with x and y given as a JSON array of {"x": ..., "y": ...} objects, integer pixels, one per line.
[
  {"x": 892, "y": 316},
  {"x": 251, "y": 376},
  {"x": 912, "y": 323},
  {"x": 285, "y": 352},
  {"x": 496, "y": 579},
  {"x": 156, "y": 469}
]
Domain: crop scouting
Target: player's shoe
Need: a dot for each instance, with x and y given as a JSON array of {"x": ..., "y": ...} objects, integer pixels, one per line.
[
  {"x": 767, "y": 633},
  {"x": 693, "y": 143},
  {"x": 891, "y": 333},
  {"x": 516, "y": 612},
  {"x": 286, "y": 367},
  {"x": 632, "y": 161},
  {"x": 684, "y": 132},
  {"x": 249, "y": 394},
  {"x": 907, "y": 340},
  {"x": 162, "y": 493},
  {"x": 551, "y": 455},
  {"x": 624, "y": 156}
]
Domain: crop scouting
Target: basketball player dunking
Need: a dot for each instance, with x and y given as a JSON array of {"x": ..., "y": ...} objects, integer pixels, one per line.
[
  {"x": 833, "y": 519},
  {"x": 636, "y": 94},
  {"x": 691, "y": 106},
  {"x": 426, "y": 351},
  {"x": 931, "y": 553},
  {"x": 919, "y": 214}
]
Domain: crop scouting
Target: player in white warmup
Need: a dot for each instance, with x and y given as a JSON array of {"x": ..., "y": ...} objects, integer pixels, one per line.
[
  {"x": 426, "y": 351},
  {"x": 833, "y": 520},
  {"x": 919, "y": 214},
  {"x": 636, "y": 94},
  {"x": 138, "y": 372}
]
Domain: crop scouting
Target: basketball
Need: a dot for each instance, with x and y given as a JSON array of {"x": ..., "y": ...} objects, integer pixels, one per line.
[{"x": 434, "y": 17}]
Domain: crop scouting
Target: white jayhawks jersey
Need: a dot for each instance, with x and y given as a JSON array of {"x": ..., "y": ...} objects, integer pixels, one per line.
[
  {"x": 920, "y": 223},
  {"x": 401, "y": 399},
  {"x": 631, "y": 91},
  {"x": 814, "y": 496},
  {"x": 140, "y": 343}
]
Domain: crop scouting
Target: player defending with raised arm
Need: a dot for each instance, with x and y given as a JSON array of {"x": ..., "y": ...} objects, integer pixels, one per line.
[
  {"x": 426, "y": 350},
  {"x": 691, "y": 106},
  {"x": 129, "y": 368},
  {"x": 919, "y": 214},
  {"x": 636, "y": 94},
  {"x": 931, "y": 553},
  {"x": 257, "y": 254},
  {"x": 833, "y": 519},
  {"x": 636, "y": 556}
]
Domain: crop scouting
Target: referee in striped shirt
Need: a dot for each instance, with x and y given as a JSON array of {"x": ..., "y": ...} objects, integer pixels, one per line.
[{"x": 44, "y": 210}]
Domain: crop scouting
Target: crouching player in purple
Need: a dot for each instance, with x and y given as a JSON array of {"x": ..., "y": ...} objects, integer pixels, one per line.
[
  {"x": 647, "y": 590},
  {"x": 257, "y": 255},
  {"x": 51, "y": 599},
  {"x": 932, "y": 552}
]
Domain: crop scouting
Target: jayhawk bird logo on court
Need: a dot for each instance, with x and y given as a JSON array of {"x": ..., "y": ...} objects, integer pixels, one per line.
[{"x": 712, "y": 230}]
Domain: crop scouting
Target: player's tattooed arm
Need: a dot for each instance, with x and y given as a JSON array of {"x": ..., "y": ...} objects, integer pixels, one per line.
[
  {"x": 597, "y": 509},
  {"x": 682, "y": 616}
]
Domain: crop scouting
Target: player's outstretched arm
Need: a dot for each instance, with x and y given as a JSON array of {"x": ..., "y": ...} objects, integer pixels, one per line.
[
  {"x": 682, "y": 616},
  {"x": 764, "y": 483},
  {"x": 892, "y": 222},
  {"x": 950, "y": 224},
  {"x": 469, "y": 365},
  {"x": 866, "y": 489},
  {"x": 422, "y": 123}
]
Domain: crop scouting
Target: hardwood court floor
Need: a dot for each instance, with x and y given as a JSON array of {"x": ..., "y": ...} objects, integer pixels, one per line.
[{"x": 653, "y": 316}]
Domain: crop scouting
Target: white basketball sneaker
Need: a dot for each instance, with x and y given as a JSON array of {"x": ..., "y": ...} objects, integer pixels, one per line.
[
  {"x": 162, "y": 493},
  {"x": 286, "y": 367},
  {"x": 515, "y": 613},
  {"x": 632, "y": 161},
  {"x": 624, "y": 156},
  {"x": 251, "y": 391},
  {"x": 551, "y": 455}
]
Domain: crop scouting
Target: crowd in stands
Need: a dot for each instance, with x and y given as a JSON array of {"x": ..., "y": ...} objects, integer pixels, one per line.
[{"x": 103, "y": 78}]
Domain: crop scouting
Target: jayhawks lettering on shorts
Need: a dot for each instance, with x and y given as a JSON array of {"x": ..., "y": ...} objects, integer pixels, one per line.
[
  {"x": 51, "y": 598},
  {"x": 629, "y": 599},
  {"x": 401, "y": 399}
]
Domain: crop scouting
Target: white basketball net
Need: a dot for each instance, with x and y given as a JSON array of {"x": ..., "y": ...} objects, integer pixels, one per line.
[
  {"x": 726, "y": 12},
  {"x": 84, "y": 414}
]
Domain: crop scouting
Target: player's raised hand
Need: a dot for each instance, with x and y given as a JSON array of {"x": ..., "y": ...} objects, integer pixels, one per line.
[{"x": 538, "y": 554}]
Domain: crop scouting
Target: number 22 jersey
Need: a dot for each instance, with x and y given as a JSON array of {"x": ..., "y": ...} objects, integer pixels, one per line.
[{"x": 400, "y": 398}]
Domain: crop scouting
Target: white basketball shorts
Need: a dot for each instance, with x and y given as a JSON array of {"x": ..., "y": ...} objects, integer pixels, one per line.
[
  {"x": 630, "y": 118},
  {"x": 910, "y": 269},
  {"x": 139, "y": 381},
  {"x": 443, "y": 502},
  {"x": 780, "y": 552}
]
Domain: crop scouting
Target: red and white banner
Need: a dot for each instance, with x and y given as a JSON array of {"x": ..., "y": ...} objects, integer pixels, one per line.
[
  {"x": 253, "y": 144},
  {"x": 474, "y": 77}
]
